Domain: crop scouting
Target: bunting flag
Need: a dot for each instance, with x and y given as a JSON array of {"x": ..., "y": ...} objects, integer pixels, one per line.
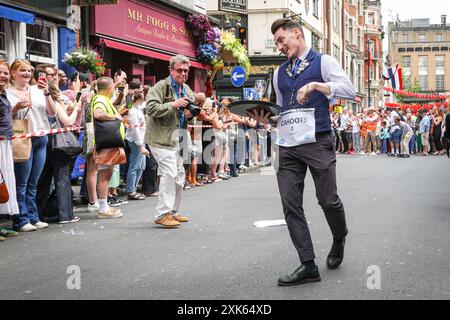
[
  {"x": 395, "y": 74},
  {"x": 417, "y": 94}
]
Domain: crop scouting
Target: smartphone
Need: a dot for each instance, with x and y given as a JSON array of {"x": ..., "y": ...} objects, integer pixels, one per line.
[
  {"x": 121, "y": 88},
  {"x": 78, "y": 96},
  {"x": 42, "y": 76}
]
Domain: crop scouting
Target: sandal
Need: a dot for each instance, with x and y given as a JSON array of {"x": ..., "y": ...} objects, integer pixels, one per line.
[
  {"x": 75, "y": 219},
  {"x": 136, "y": 196}
]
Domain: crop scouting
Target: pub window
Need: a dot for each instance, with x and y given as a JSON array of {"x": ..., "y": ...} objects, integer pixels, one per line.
[
  {"x": 427, "y": 49},
  {"x": 410, "y": 49},
  {"x": 435, "y": 49},
  {"x": 2, "y": 37},
  {"x": 401, "y": 50},
  {"x": 444, "y": 48},
  {"x": 419, "y": 49},
  {"x": 39, "y": 40},
  {"x": 316, "y": 8}
]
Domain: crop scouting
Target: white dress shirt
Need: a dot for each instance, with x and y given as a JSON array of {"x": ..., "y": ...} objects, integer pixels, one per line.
[{"x": 333, "y": 75}]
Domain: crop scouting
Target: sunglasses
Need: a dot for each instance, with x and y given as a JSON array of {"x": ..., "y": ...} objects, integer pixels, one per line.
[{"x": 181, "y": 70}]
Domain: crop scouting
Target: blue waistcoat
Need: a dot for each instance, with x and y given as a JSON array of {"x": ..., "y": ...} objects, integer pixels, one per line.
[{"x": 317, "y": 100}]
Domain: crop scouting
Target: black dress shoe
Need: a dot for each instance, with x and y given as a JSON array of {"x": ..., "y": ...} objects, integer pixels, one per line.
[
  {"x": 336, "y": 255},
  {"x": 301, "y": 275}
]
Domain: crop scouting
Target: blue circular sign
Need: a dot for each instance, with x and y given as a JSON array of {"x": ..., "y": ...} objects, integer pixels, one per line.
[{"x": 238, "y": 76}]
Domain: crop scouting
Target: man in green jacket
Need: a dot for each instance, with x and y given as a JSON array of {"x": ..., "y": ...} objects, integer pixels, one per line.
[{"x": 166, "y": 104}]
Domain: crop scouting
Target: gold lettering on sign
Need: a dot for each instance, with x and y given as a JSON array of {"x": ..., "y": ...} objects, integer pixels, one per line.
[{"x": 135, "y": 15}]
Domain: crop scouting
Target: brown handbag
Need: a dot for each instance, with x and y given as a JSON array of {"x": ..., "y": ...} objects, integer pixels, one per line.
[
  {"x": 110, "y": 156},
  {"x": 4, "y": 194},
  {"x": 21, "y": 147}
]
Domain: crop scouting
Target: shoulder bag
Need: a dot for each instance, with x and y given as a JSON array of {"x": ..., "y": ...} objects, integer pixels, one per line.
[
  {"x": 65, "y": 141},
  {"x": 107, "y": 133},
  {"x": 21, "y": 147},
  {"x": 4, "y": 194}
]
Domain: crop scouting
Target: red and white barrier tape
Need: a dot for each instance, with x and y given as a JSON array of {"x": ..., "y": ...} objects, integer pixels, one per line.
[{"x": 42, "y": 133}]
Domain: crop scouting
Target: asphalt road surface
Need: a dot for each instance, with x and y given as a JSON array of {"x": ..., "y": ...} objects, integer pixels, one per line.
[{"x": 398, "y": 214}]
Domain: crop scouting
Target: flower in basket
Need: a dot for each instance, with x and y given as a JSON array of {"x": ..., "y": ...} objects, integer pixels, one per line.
[
  {"x": 206, "y": 52},
  {"x": 99, "y": 67},
  {"x": 234, "y": 46},
  {"x": 211, "y": 36},
  {"x": 199, "y": 23}
]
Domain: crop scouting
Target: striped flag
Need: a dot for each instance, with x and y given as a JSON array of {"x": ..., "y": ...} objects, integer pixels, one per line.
[{"x": 395, "y": 74}]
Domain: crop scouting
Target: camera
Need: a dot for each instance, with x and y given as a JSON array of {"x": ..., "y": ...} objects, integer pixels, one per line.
[{"x": 193, "y": 109}]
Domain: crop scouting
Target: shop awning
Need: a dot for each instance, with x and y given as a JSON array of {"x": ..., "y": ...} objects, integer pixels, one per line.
[
  {"x": 16, "y": 15},
  {"x": 148, "y": 53}
]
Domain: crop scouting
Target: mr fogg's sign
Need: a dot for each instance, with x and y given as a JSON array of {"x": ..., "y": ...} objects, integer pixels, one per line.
[{"x": 237, "y": 6}]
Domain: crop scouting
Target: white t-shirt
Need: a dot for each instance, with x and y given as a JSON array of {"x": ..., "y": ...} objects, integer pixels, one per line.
[
  {"x": 356, "y": 128},
  {"x": 136, "y": 118},
  {"x": 37, "y": 115}
]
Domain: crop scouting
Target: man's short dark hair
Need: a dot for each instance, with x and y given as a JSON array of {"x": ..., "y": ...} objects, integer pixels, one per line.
[
  {"x": 285, "y": 24},
  {"x": 134, "y": 84}
]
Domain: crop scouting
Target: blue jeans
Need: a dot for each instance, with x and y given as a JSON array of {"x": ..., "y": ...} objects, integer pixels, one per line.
[
  {"x": 412, "y": 144},
  {"x": 234, "y": 159},
  {"x": 27, "y": 177},
  {"x": 384, "y": 144},
  {"x": 135, "y": 168}
]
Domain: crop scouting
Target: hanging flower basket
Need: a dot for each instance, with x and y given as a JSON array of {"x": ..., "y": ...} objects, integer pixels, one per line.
[{"x": 85, "y": 60}]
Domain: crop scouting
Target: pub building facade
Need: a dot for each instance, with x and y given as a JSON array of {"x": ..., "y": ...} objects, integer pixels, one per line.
[
  {"x": 35, "y": 30},
  {"x": 140, "y": 37}
]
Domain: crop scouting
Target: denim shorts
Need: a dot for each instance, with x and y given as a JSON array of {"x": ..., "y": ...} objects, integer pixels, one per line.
[{"x": 396, "y": 136}]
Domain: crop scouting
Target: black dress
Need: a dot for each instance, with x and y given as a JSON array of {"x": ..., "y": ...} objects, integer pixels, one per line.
[{"x": 437, "y": 137}]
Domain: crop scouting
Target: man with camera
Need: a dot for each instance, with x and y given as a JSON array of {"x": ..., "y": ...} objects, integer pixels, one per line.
[{"x": 169, "y": 105}]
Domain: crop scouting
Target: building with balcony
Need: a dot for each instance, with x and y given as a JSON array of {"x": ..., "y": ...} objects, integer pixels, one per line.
[
  {"x": 423, "y": 51},
  {"x": 353, "y": 38},
  {"x": 373, "y": 44}
]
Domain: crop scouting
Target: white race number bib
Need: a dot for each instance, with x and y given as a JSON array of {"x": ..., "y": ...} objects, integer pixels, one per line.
[{"x": 296, "y": 127}]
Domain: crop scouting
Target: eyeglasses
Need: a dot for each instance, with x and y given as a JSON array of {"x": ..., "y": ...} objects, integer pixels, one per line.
[{"x": 181, "y": 70}]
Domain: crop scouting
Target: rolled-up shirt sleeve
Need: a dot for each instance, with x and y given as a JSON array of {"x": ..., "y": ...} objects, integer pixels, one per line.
[
  {"x": 336, "y": 78},
  {"x": 277, "y": 89}
]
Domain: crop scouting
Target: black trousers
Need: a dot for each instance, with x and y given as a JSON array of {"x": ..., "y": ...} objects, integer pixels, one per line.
[
  {"x": 56, "y": 168},
  {"x": 150, "y": 175},
  {"x": 320, "y": 158}
]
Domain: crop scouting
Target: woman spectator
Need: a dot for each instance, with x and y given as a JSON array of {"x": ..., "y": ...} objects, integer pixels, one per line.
[
  {"x": 196, "y": 138},
  {"x": 356, "y": 132},
  {"x": 446, "y": 128},
  {"x": 438, "y": 118},
  {"x": 33, "y": 103},
  {"x": 135, "y": 140},
  {"x": 57, "y": 166},
  {"x": 6, "y": 156}
]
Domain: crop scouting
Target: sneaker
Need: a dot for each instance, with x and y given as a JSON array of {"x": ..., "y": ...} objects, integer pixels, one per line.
[
  {"x": 27, "y": 228},
  {"x": 5, "y": 233},
  {"x": 167, "y": 221},
  {"x": 75, "y": 219},
  {"x": 180, "y": 218},
  {"x": 41, "y": 225},
  {"x": 2, "y": 239},
  {"x": 373, "y": 154},
  {"x": 112, "y": 213},
  {"x": 93, "y": 207},
  {"x": 113, "y": 202},
  {"x": 186, "y": 186},
  {"x": 223, "y": 176}
]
